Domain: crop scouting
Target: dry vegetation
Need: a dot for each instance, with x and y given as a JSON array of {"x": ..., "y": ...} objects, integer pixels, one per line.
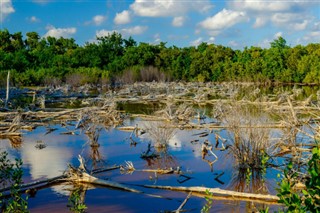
[{"x": 261, "y": 127}]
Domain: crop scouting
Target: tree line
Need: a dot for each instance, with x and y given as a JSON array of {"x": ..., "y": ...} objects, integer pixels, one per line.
[{"x": 112, "y": 58}]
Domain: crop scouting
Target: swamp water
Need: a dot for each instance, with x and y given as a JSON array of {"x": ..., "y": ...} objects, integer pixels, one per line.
[{"x": 47, "y": 155}]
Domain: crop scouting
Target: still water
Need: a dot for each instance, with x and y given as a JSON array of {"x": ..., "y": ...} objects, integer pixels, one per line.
[{"x": 183, "y": 151}]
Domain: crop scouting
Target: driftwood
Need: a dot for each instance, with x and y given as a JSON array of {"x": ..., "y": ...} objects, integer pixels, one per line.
[
  {"x": 228, "y": 194},
  {"x": 80, "y": 175},
  {"x": 129, "y": 169},
  {"x": 183, "y": 203}
]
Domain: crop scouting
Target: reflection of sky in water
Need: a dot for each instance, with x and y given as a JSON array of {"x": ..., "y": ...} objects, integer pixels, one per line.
[
  {"x": 53, "y": 159},
  {"x": 115, "y": 149}
]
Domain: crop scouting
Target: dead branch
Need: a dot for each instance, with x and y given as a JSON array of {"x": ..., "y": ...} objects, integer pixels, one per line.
[
  {"x": 232, "y": 195},
  {"x": 80, "y": 175},
  {"x": 129, "y": 169},
  {"x": 184, "y": 202}
]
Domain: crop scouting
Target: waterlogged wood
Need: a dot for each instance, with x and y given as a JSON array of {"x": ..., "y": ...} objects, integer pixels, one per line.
[
  {"x": 217, "y": 191},
  {"x": 80, "y": 175},
  {"x": 183, "y": 203},
  {"x": 50, "y": 181},
  {"x": 84, "y": 177},
  {"x": 10, "y": 134}
]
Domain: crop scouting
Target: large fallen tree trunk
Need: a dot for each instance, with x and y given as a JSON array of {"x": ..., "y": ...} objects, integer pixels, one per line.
[{"x": 217, "y": 191}]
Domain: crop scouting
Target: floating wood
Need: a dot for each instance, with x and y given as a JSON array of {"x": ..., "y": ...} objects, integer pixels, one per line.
[{"x": 217, "y": 191}]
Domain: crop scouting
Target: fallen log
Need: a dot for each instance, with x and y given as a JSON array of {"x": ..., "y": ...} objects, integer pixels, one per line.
[
  {"x": 10, "y": 134},
  {"x": 228, "y": 194},
  {"x": 80, "y": 175}
]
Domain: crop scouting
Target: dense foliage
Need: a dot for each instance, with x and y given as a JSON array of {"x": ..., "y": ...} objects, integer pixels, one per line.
[
  {"x": 306, "y": 200},
  {"x": 37, "y": 61}
]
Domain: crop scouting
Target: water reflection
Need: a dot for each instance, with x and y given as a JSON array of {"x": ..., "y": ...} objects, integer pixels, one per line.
[{"x": 15, "y": 142}]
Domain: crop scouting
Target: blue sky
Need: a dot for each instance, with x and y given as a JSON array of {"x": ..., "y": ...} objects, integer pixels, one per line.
[{"x": 234, "y": 23}]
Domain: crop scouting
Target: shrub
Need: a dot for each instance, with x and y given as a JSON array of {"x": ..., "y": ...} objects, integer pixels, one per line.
[{"x": 305, "y": 200}]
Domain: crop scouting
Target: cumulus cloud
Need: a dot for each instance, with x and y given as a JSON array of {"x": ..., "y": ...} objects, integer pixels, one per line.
[
  {"x": 277, "y": 35},
  {"x": 290, "y": 21},
  {"x": 136, "y": 30},
  {"x": 222, "y": 20},
  {"x": 33, "y": 19},
  {"x": 314, "y": 34},
  {"x": 60, "y": 32},
  {"x": 266, "y": 42},
  {"x": 156, "y": 8},
  {"x": 196, "y": 42},
  {"x": 263, "y": 5},
  {"x": 103, "y": 33},
  {"x": 282, "y": 13},
  {"x": 122, "y": 18},
  {"x": 178, "y": 21},
  {"x": 98, "y": 19},
  {"x": 6, "y": 9},
  {"x": 199, "y": 40},
  {"x": 260, "y": 21}
]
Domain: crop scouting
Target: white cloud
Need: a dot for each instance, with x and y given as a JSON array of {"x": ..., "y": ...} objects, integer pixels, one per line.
[
  {"x": 222, "y": 20},
  {"x": 136, "y": 30},
  {"x": 196, "y": 42},
  {"x": 60, "y": 32},
  {"x": 265, "y": 43},
  {"x": 314, "y": 35},
  {"x": 122, "y": 18},
  {"x": 199, "y": 40},
  {"x": 103, "y": 33},
  {"x": 266, "y": 6},
  {"x": 161, "y": 8},
  {"x": 291, "y": 21},
  {"x": 98, "y": 19},
  {"x": 260, "y": 21},
  {"x": 233, "y": 44},
  {"x": 277, "y": 35},
  {"x": 293, "y": 15},
  {"x": 211, "y": 40},
  {"x": 157, "y": 38},
  {"x": 6, "y": 9},
  {"x": 33, "y": 19},
  {"x": 178, "y": 21}
]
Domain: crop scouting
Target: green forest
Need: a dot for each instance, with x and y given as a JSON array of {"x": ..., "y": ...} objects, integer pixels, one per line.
[{"x": 33, "y": 60}]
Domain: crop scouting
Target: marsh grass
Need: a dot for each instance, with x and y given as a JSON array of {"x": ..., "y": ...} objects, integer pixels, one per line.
[
  {"x": 159, "y": 133},
  {"x": 249, "y": 139}
]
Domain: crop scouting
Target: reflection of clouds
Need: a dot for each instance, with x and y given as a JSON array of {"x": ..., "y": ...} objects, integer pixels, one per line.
[
  {"x": 175, "y": 142},
  {"x": 181, "y": 138},
  {"x": 63, "y": 189},
  {"x": 48, "y": 162}
]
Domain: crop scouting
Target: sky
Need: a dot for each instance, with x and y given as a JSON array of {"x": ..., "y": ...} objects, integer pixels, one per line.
[{"x": 233, "y": 23}]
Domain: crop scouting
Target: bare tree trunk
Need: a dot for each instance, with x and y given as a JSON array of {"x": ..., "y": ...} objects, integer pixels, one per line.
[{"x": 8, "y": 90}]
